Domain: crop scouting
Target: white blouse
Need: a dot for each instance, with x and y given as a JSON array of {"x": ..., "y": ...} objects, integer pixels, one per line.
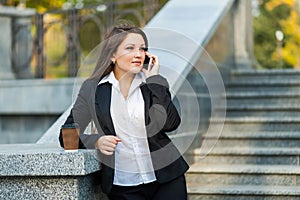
[{"x": 133, "y": 164}]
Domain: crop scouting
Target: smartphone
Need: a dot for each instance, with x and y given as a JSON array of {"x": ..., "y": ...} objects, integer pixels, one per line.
[{"x": 147, "y": 62}]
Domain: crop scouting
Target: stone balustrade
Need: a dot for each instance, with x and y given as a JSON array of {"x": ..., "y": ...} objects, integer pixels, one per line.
[
  {"x": 46, "y": 171},
  {"x": 15, "y": 42}
]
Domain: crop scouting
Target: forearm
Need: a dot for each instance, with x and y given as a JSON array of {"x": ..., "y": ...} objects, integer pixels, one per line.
[{"x": 163, "y": 111}]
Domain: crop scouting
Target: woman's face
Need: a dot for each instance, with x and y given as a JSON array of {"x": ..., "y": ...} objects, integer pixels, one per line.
[{"x": 130, "y": 55}]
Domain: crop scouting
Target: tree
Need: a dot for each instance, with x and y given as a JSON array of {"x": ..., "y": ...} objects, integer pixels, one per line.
[
  {"x": 269, "y": 52},
  {"x": 291, "y": 29},
  {"x": 278, "y": 15},
  {"x": 40, "y": 5},
  {"x": 44, "y": 5}
]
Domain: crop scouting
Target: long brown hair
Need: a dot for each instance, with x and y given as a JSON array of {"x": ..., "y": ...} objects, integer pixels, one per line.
[{"x": 109, "y": 46}]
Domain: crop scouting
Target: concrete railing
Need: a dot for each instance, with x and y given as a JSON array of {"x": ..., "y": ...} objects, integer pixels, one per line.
[
  {"x": 179, "y": 34},
  {"x": 15, "y": 42}
]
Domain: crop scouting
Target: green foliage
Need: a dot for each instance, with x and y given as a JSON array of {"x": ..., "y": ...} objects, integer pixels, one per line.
[
  {"x": 277, "y": 15},
  {"x": 40, "y": 5},
  {"x": 87, "y": 43}
]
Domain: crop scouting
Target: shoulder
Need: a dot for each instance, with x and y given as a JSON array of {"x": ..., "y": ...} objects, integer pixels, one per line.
[
  {"x": 157, "y": 80},
  {"x": 88, "y": 88},
  {"x": 89, "y": 83}
]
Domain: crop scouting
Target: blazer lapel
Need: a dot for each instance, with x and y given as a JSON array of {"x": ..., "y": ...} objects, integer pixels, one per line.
[
  {"x": 102, "y": 106},
  {"x": 145, "y": 93}
]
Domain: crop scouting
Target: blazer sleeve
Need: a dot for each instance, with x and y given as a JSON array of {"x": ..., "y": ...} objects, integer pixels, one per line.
[
  {"x": 82, "y": 114},
  {"x": 162, "y": 111}
]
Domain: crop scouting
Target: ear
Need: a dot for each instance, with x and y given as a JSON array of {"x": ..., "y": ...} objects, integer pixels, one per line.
[{"x": 113, "y": 58}]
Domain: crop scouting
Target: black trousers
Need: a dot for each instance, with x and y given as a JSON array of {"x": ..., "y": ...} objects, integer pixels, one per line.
[{"x": 175, "y": 190}]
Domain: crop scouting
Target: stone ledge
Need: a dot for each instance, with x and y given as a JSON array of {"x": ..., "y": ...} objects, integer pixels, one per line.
[
  {"x": 261, "y": 107},
  {"x": 244, "y": 169},
  {"x": 46, "y": 160},
  {"x": 257, "y": 135},
  {"x": 260, "y": 94},
  {"x": 247, "y": 119},
  {"x": 252, "y": 151},
  {"x": 47, "y": 96},
  {"x": 265, "y": 82},
  {"x": 246, "y": 190},
  {"x": 263, "y": 72},
  {"x": 8, "y": 11}
]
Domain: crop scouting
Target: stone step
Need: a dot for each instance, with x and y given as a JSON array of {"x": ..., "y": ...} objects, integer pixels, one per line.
[
  {"x": 258, "y": 135},
  {"x": 273, "y": 85},
  {"x": 265, "y": 82},
  {"x": 257, "y": 139},
  {"x": 273, "y": 175},
  {"x": 263, "y": 88},
  {"x": 268, "y": 107},
  {"x": 266, "y": 101},
  {"x": 262, "y": 104},
  {"x": 245, "y": 155},
  {"x": 265, "y": 74},
  {"x": 266, "y": 89},
  {"x": 263, "y": 98},
  {"x": 257, "y": 123},
  {"x": 257, "y": 154},
  {"x": 261, "y": 95},
  {"x": 243, "y": 192},
  {"x": 244, "y": 110}
]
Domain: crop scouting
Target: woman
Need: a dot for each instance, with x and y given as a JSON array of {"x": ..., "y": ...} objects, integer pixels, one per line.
[{"x": 130, "y": 104}]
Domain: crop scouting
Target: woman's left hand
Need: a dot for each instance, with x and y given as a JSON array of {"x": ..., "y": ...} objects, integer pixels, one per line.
[{"x": 153, "y": 67}]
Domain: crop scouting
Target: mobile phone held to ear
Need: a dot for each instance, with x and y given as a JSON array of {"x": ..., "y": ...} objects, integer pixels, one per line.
[{"x": 147, "y": 62}]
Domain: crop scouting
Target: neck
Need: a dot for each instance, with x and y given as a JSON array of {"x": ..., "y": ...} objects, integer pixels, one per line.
[{"x": 125, "y": 81}]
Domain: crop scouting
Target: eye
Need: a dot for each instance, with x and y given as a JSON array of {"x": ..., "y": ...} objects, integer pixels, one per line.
[{"x": 130, "y": 48}]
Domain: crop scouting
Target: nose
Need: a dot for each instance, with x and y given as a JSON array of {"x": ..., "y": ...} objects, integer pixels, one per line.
[{"x": 137, "y": 53}]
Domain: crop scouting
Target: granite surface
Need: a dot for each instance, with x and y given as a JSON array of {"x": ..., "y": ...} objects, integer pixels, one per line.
[
  {"x": 46, "y": 160},
  {"x": 49, "y": 188},
  {"x": 45, "y": 171}
]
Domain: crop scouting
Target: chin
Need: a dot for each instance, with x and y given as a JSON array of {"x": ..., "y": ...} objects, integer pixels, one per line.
[{"x": 136, "y": 70}]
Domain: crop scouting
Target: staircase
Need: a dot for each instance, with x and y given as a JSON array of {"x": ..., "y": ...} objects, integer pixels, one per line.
[{"x": 257, "y": 154}]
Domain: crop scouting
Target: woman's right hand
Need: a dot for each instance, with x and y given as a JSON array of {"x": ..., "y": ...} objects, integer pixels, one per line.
[
  {"x": 154, "y": 66},
  {"x": 107, "y": 144}
]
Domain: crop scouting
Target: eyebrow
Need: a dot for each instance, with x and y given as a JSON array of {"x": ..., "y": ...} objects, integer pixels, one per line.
[{"x": 134, "y": 44}]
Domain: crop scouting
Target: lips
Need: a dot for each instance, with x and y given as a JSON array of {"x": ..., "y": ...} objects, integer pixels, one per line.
[{"x": 137, "y": 63}]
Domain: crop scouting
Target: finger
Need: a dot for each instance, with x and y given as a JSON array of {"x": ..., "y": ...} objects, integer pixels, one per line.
[
  {"x": 148, "y": 54},
  {"x": 113, "y": 140},
  {"x": 154, "y": 57},
  {"x": 109, "y": 149},
  {"x": 155, "y": 61},
  {"x": 108, "y": 153},
  {"x": 110, "y": 145},
  {"x": 106, "y": 148},
  {"x": 119, "y": 140}
]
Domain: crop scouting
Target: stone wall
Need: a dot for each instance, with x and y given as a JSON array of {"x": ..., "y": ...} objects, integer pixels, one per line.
[{"x": 29, "y": 107}]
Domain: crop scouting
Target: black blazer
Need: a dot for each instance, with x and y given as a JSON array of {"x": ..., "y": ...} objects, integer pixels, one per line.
[{"x": 161, "y": 116}]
